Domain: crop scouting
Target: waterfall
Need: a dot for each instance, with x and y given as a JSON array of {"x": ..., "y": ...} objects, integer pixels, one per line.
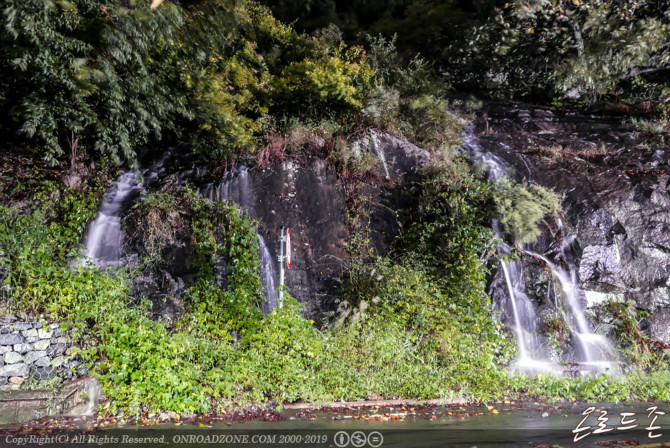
[
  {"x": 238, "y": 189},
  {"x": 104, "y": 239},
  {"x": 268, "y": 276},
  {"x": 531, "y": 358},
  {"x": 379, "y": 150},
  {"x": 593, "y": 353}
]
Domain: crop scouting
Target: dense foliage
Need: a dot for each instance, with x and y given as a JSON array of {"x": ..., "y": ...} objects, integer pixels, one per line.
[
  {"x": 406, "y": 344},
  {"x": 573, "y": 52},
  {"x": 404, "y": 327},
  {"x": 449, "y": 233},
  {"x": 416, "y": 22},
  {"x": 585, "y": 50},
  {"x": 88, "y": 80},
  {"x": 520, "y": 209},
  {"x": 409, "y": 99},
  {"x": 433, "y": 284},
  {"x": 101, "y": 78},
  {"x": 87, "y": 76}
]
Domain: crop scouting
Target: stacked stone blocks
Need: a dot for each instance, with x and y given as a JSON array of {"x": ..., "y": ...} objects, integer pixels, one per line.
[{"x": 37, "y": 352}]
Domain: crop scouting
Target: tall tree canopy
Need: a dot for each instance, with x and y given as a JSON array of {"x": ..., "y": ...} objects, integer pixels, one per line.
[
  {"x": 101, "y": 77},
  {"x": 576, "y": 48}
]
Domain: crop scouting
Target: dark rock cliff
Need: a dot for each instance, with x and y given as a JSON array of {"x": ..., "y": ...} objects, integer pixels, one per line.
[
  {"x": 615, "y": 197},
  {"x": 304, "y": 194}
]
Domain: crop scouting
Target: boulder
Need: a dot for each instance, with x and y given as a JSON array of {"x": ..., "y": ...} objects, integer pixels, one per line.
[
  {"x": 13, "y": 358},
  {"x": 658, "y": 325},
  {"x": 14, "y": 370}
]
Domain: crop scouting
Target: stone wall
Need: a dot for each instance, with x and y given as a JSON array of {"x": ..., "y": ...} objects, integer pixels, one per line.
[{"x": 32, "y": 353}]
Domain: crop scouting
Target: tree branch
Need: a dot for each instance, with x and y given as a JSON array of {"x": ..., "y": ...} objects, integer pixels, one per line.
[{"x": 638, "y": 72}]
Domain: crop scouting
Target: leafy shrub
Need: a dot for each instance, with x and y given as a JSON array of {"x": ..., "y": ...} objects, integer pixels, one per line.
[
  {"x": 86, "y": 76},
  {"x": 520, "y": 209},
  {"x": 335, "y": 80},
  {"x": 433, "y": 124},
  {"x": 448, "y": 229},
  {"x": 382, "y": 107},
  {"x": 636, "y": 348},
  {"x": 429, "y": 295},
  {"x": 408, "y": 98},
  {"x": 541, "y": 49},
  {"x": 92, "y": 78},
  {"x": 158, "y": 220}
]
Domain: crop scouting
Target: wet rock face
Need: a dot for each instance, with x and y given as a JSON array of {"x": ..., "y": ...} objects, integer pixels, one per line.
[
  {"x": 615, "y": 197},
  {"x": 306, "y": 196},
  {"x": 658, "y": 325},
  {"x": 310, "y": 202},
  {"x": 397, "y": 160}
]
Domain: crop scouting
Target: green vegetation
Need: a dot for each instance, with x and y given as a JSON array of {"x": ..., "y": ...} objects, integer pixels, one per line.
[
  {"x": 405, "y": 326},
  {"x": 408, "y": 99},
  {"x": 407, "y": 343},
  {"x": 520, "y": 210},
  {"x": 87, "y": 78},
  {"x": 89, "y": 83},
  {"x": 594, "y": 49},
  {"x": 450, "y": 233},
  {"x": 575, "y": 53},
  {"x": 406, "y": 339},
  {"x": 637, "y": 348}
]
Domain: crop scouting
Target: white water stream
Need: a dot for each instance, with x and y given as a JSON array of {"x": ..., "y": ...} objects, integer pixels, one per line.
[
  {"x": 104, "y": 239},
  {"x": 238, "y": 189},
  {"x": 593, "y": 353}
]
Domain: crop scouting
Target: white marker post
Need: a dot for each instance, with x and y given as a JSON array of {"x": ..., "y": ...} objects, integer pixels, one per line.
[{"x": 284, "y": 243}]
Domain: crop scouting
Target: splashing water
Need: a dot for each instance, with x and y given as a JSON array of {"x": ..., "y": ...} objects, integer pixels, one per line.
[{"x": 593, "y": 352}]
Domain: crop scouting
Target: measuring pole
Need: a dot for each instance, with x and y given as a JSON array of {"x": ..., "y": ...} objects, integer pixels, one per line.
[{"x": 282, "y": 240}]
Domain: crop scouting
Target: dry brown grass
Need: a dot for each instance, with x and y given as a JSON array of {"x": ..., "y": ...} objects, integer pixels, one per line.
[
  {"x": 159, "y": 220},
  {"x": 589, "y": 152},
  {"x": 274, "y": 151}
]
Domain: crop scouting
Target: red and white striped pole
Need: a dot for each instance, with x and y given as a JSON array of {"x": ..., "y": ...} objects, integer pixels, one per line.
[{"x": 284, "y": 255}]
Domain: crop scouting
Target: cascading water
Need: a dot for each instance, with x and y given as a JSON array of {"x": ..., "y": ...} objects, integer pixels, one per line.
[
  {"x": 238, "y": 190},
  {"x": 531, "y": 357},
  {"x": 268, "y": 276},
  {"x": 593, "y": 353},
  {"x": 104, "y": 239}
]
